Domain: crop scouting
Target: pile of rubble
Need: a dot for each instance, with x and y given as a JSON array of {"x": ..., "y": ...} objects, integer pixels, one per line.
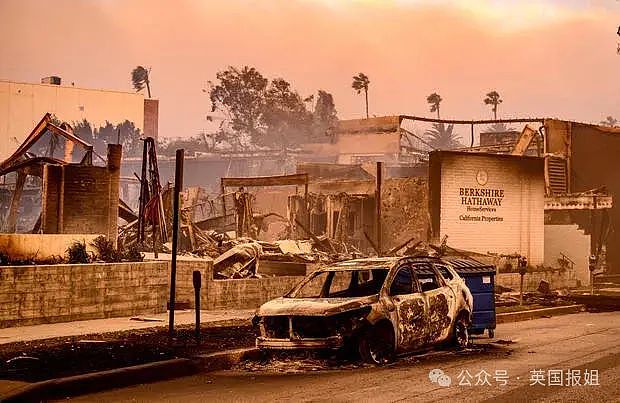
[
  {"x": 235, "y": 257},
  {"x": 544, "y": 296}
]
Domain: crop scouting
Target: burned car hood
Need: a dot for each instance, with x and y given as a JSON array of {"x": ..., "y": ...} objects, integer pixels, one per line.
[{"x": 313, "y": 306}]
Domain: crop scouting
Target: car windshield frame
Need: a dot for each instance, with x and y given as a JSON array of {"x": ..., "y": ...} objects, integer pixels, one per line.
[{"x": 294, "y": 293}]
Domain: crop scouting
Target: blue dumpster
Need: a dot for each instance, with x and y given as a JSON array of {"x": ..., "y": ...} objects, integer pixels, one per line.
[{"x": 480, "y": 279}]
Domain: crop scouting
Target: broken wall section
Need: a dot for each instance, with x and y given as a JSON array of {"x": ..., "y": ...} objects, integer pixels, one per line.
[
  {"x": 81, "y": 199},
  {"x": 404, "y": 214}
]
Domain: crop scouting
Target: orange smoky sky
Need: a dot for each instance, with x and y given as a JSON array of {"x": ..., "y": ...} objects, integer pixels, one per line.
[{"x": 545, "y": 58}]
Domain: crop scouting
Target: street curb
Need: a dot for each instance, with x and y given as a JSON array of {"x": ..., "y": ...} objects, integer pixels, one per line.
[
  {"x": 127, "y": 376},
  {"x": 225, "y": 359},
  {"x": 102, "y": 380},
  {"x": 538, "y": 313}
]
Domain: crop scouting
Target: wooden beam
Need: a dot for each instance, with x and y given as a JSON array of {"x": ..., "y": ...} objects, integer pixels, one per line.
[{"x": 280, "y": 180}]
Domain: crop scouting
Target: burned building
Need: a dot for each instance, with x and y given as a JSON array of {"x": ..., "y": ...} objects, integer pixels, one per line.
[
  {"x": 76, "y": 195},
  {"x": 488, "y": 202}
]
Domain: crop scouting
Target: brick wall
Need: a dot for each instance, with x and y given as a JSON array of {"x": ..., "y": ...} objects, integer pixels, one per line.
[
  {"x": 60, "y": 293},
  {"x": 516, "y": 225},
  {"x": 82, "y": 199},
  {"x": 151, "y": 118}
]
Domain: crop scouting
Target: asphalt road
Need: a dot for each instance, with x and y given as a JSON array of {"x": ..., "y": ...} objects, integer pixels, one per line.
[{"x": 540, "y": 350}]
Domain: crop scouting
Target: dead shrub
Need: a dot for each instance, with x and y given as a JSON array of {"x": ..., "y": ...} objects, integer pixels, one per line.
[
  {"x": 76, "y": 253},
  {"x": 105, "y": 250}
]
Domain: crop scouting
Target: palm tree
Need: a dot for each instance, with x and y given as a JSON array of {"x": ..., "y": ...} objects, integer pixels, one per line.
[
  {"x": 140, "y": 79},
  {"x": 442, "y": 137},
  {"x": 499, "y": 128},
  {"x": 360, "y": 82},
  {"x": 493, "y": 98},
  {"x": 434, "y": 100},
  {"x": 609, "y": 121}
]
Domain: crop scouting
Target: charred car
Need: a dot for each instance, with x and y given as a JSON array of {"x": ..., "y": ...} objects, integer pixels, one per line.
[{"x": 379, "y": 306}]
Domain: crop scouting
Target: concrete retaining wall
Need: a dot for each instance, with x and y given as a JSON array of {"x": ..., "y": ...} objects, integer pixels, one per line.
[
  {"x": 32, "y": 295},
  {"x": 59, "y": 293},
  {"x": 556, "y": 278}
]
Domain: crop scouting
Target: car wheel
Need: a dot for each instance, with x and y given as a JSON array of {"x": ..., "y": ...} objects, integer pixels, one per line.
[
  {"x": 461, "y": 333},
  {"x": 376, "y": 345},
  {"x": 491, "y": 333}
]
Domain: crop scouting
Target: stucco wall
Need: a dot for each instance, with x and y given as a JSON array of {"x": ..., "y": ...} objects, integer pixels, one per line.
[
  {"x": 573, "y": 243},
  {"x": 22, "y": 105},
  {"x": 40, "y": 247}
]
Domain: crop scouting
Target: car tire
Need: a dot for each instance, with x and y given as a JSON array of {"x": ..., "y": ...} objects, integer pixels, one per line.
[
  {"x": 377, "y": 345},
  {"x": 491, "y": 333},
  {"x": 460, "y": 335}
]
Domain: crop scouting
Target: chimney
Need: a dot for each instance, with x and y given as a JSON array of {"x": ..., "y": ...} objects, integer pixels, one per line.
[{"x": 54, "y": 80}]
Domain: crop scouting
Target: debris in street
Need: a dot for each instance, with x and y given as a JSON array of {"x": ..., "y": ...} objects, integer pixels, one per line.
[{"x": 147, "y": 319}]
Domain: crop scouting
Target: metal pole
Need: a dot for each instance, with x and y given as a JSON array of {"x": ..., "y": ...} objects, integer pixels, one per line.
[
  {"x": 178, "y": 185},
  {"x": 143, "y": 195},
  {"x": 521, "y": 291},
  {"x": 378, "y": 206},
  {"x": 197, "y": 280}
]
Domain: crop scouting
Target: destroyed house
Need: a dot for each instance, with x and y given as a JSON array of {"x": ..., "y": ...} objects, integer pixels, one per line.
[{"x": 341, "y": 202}]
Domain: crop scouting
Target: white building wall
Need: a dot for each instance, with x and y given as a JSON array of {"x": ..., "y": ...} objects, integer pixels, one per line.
[
  {"x": 514, "y": 226},
  {"x": 573, "y": 243},
  {"x": 22, "y": 106}
]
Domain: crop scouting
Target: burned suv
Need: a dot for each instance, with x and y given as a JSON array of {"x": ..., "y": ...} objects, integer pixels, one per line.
[{"x": 380, "y": 306}]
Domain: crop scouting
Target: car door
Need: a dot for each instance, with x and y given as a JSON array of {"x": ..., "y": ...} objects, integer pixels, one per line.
[
  {"x": 440, "y": 302},
  {"x": 409, "y": 309}
]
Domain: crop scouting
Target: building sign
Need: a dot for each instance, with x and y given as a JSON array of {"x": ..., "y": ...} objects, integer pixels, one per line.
[{"x": 481, "y": 204}]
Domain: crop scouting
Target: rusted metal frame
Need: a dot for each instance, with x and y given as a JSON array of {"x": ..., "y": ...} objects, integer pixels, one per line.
[
  {"x": 36, "y": 133},
  {"x": 69, "y": 136},
  {"x": 39, "y": 130},
  {"x": 418, "y": 137},
  {"x": 143, "y": 198},
  {"x": 158, "y": 190},
  {"x": 473, "y": 122}
]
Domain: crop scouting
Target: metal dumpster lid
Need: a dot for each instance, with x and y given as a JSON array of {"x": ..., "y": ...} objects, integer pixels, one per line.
[{"x": 466, "y": 266}]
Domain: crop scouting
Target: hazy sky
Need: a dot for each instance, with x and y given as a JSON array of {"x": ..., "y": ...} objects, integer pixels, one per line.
[{"x": 554, "y": 58}]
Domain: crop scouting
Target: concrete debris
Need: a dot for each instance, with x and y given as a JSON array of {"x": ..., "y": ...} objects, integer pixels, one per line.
[
  {"x": 241, "y": 261},
  {"x": 145, "y": 319}
]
